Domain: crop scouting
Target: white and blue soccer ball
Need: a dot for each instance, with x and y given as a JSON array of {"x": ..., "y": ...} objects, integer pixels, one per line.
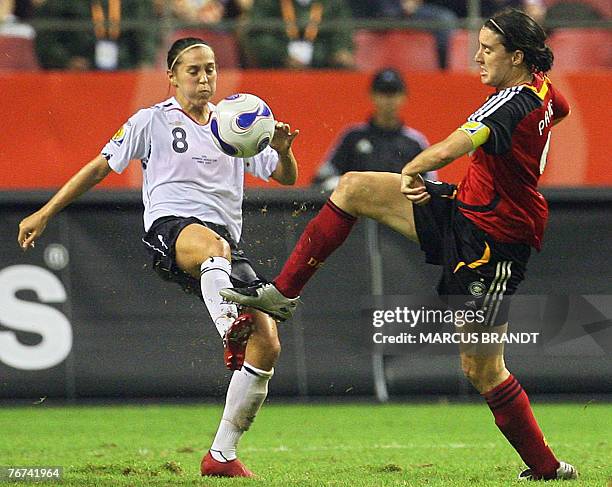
[{"x": 242, "y": 125}]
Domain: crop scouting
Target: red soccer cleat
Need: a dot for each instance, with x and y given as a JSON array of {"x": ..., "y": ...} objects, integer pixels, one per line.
[
  {"x": 235, "y": 341},
  {"x": 233, "y": 468}
]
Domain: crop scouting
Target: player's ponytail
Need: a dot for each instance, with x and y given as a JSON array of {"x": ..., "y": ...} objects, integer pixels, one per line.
[
  {"x": 520, "y": 32},
  {"x": 542, "y": 59},
  {"x": 179, "y": 47}
]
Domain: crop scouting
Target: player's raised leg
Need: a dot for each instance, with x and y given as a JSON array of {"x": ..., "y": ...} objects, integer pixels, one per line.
[
  {"x": 486, "y": 370},
  {"x": 246, "y": 393},
  {"x": 204, "y": 255},
  {"x": 359, "y": 194}
]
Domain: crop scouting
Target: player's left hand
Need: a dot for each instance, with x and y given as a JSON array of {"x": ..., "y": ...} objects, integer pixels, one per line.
[
  {"x": 413, "y": 186},
  {"x": 283, "y": 138}
]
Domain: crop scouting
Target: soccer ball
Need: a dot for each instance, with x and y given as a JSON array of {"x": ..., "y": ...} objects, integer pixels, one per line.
[{"x": 242, "y": 126}]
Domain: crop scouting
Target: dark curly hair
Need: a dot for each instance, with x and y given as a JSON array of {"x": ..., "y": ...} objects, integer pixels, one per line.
[
  {"x": 520, "y": 32},
  {"x": 179, "y": 45}
]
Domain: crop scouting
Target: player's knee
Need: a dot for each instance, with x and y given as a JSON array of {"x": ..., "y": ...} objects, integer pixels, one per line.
[
  {"x": 353, "y": 191},
  {"x": 483, "y": 372},
  {"x": 192, "y": 260},
  {"x": 220, "y": 248},
  {"x": 194, "y": 249}
]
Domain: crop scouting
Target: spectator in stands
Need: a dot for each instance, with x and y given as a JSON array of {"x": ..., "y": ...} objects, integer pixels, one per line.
[
  {"x": 204, "y": 11},
  {"x": 421, "y": 10},
  {"x": 535, "y": 8},
  {"x": 11, "y": 20},
  {"x": 294, "y": 47},
  {"x": 383, "y": 144},
  {"x": 209, "y": 11},
  {"x": 96, "y": 48},
  {"x": 237, "y": 8}
]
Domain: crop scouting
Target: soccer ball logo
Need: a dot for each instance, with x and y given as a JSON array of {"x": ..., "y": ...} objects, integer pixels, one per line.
[{"x": 242, "y": 125}]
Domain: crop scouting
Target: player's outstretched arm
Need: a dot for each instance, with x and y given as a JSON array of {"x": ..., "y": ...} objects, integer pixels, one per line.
[
  {"x": 439, "y": 155},
  {"x": 34, "y": 225},
  {"x": 287, "y": 170},
  {"x": 434, "y": 157}
]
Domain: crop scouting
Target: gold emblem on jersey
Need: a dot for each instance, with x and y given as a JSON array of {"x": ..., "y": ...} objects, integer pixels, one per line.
[{"x": 119, "y": 135}]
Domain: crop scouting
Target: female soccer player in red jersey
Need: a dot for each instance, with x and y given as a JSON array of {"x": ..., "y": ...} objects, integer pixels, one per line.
[
  {"x": 193, "y": 222},
  {"x": 480, "y": 232}
]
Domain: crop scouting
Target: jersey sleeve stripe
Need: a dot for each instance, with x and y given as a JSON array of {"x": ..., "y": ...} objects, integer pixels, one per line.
[
  {"x": 490, "y": 101},
  {"x": 495, "y": 106},
  {"x": 493, "y": 103}
]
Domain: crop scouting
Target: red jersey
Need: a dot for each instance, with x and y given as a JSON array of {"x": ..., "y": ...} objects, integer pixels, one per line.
[{"x": 499, "y": 192}]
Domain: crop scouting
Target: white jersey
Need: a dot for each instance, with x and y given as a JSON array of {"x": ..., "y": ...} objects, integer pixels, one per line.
[{"x": 184, "y": 173}]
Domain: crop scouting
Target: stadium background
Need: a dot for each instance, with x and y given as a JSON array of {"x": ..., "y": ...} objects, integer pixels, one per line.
[{"x": 106, "y": 327}]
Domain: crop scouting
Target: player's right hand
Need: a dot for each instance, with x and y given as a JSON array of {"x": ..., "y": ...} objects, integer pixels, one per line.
[
  {"x": 413, "y": 187},
  {"x": 30, "y": 229}
]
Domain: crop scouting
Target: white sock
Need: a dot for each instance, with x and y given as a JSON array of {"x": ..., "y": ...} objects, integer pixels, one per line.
[
  {"x": 214, "y": 276},
  {"x": 246, "y": 393}
]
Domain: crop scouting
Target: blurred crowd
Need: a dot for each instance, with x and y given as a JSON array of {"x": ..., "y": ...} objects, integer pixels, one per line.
[{"x": 299, "y": 39}]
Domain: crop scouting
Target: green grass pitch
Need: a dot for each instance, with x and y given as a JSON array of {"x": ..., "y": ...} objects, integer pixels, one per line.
[{"x": 361, "y": 444}]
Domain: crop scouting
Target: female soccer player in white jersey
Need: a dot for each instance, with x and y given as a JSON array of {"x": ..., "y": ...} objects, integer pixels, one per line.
[{"x": 192, "y": 196}]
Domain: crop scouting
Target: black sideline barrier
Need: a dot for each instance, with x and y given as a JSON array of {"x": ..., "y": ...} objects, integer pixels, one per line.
[{"x": 82, "y": 315}]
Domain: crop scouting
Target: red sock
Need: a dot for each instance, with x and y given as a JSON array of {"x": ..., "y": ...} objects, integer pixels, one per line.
[
  {"x": 514, "y": 417},
  {"x": 323, "y": 234}
]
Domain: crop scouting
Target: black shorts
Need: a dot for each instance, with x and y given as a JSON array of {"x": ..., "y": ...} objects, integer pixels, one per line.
[
  {"x": 160, "y": 241},
  {"x": 478, "y": 272}
]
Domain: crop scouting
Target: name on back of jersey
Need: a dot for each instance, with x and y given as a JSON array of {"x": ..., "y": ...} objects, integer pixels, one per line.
[{"x": 548, "y": 117}]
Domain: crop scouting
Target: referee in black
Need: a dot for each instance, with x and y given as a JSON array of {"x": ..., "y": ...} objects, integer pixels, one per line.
[{"x": 384, "y": 143}]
